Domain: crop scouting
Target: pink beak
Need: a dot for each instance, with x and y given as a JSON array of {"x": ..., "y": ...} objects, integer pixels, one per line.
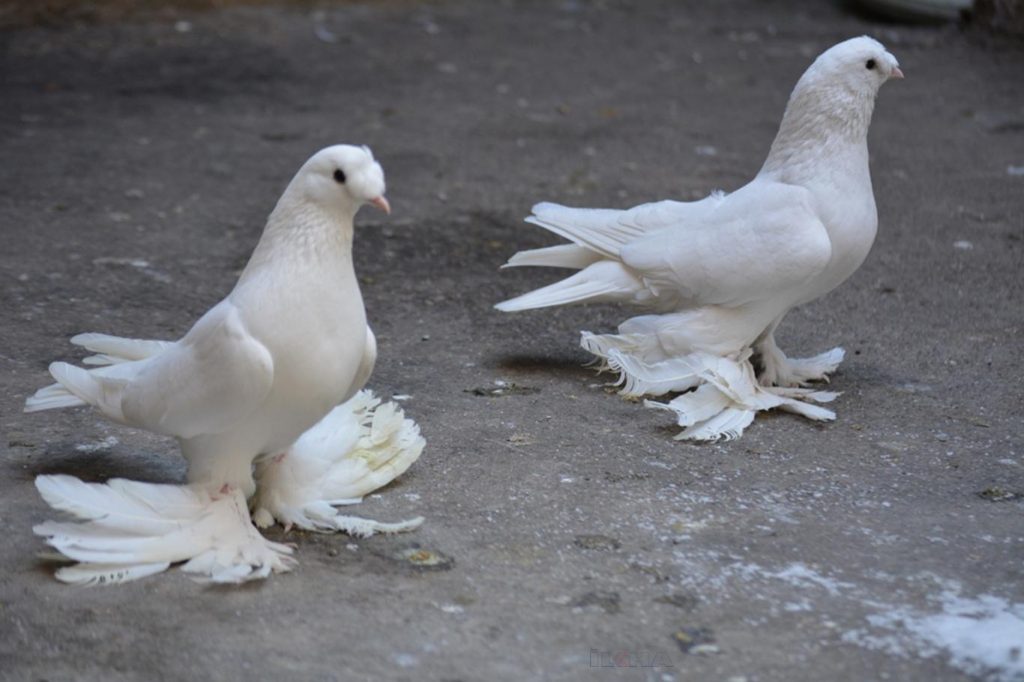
[
  {"x": 896, "y": 73},
  {"x": 382, "y": 203}
]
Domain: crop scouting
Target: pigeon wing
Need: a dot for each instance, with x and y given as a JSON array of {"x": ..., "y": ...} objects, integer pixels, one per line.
[
  {"x": 216, "y": 375},
  {"x": 761, "y": 240}
]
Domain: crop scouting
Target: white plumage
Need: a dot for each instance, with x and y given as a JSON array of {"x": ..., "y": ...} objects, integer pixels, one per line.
[
  {"x": 719, "y": 275},
  {"x": 357, "y": 448},
  {"x": 260, "y": 369}
]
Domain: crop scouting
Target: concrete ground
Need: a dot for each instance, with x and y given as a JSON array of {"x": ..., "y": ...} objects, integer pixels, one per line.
[{"x": 573, "y": 537}]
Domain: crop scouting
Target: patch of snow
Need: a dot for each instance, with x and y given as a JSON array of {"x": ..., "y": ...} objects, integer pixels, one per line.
[
  {"x": 793, "y": 606},
  {"x": 104, "y": 444},
  {"x": 981, "y": 636},
  {"x": 405, "y": 660},
  {"x": 796, "y": 574}
]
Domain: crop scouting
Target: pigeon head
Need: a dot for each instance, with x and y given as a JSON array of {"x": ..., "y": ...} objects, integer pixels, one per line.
[
  {"x": 343, "y": 177},
  {"x": 832, "y": 102},
  {"x": 859, "y": 65}
]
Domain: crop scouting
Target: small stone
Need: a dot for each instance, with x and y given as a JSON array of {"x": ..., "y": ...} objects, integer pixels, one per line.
[
  {"x": 689, "y": 638},
  {"x": 423, "y": 559},
  {"x": 997, "y": 494}
]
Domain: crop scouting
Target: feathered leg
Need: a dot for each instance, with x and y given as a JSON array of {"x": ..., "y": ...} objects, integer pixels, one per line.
[
  {"x": 132, "y": 530},
  {"x": 779, "y": 370},
  {"x": 357, "y": 448},
  {"x": 729, "y": 397}
]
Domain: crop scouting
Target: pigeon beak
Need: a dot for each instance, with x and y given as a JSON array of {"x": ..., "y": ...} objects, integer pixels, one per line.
[
  {"x": 896, "y": 73},
  {"x": 382, "y": 203}
]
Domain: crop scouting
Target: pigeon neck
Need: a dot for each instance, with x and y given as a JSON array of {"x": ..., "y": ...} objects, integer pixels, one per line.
[
  {"x": 822, "y": 121},
  {"x": 305, "y": 233}
]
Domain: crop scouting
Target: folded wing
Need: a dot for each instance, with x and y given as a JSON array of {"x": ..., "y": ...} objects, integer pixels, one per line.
[{"x": 762, "y": 240}]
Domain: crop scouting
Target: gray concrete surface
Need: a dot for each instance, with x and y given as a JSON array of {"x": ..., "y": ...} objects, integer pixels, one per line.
[{"x": 141, "y": 158}]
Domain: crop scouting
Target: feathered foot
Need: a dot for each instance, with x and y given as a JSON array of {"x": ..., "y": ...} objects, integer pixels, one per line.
[
  {"x": 357, "y": 448},
  {"x": 725, "y": 404},
  {"x": 134, "y": 530},
  {"x": 779, "y": 370},
  {"x": 641, "y": 366}
]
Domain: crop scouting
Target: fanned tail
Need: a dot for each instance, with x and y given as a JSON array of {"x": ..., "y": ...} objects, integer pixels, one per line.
[
  {"x": 75, "y": 386},
  {"x": 52, "y": 397},
  {"x": 595, "y": 229},
  {"x": 360, "y": 446},
  {"x": 133, "y": 530},
  {"x": 597, "y": 235}
]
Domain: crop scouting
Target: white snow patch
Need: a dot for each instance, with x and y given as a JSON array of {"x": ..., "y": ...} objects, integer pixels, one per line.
[
  {"x": 104, "y": 444},
  {"x": 981, "y": 636},
  {"x": 405, "y": 660},
  {"x": 796, "y": 574},
  {"x": 794, "y": 606},
  {"x": 799, "y": 574}
]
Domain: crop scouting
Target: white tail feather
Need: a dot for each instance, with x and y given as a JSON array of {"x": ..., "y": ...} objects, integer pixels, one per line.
[
  {"x": 52, "y": 397},
  {"x": 604, "y": 281},
  {"x": 596, "y": 229},
  {"x": 559, "y": 293},
  {"x": 561, "y": 256},
  {"x": 116, "y": 349}
]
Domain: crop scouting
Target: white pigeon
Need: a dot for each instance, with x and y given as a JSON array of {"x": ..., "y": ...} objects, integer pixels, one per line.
[
  {"x": 256, "y": 372},
  {"x": 720, "y": 274}
]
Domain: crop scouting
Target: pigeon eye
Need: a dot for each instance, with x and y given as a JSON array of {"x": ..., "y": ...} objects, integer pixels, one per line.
[
  {"x": 339, "y": 176},
  {"x": 870, "y": 64}
]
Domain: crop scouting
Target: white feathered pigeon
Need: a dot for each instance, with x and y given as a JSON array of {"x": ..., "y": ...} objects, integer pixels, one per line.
[
  {"x": 260, "y": 369},
  {"x": 720, "y": 274}
]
